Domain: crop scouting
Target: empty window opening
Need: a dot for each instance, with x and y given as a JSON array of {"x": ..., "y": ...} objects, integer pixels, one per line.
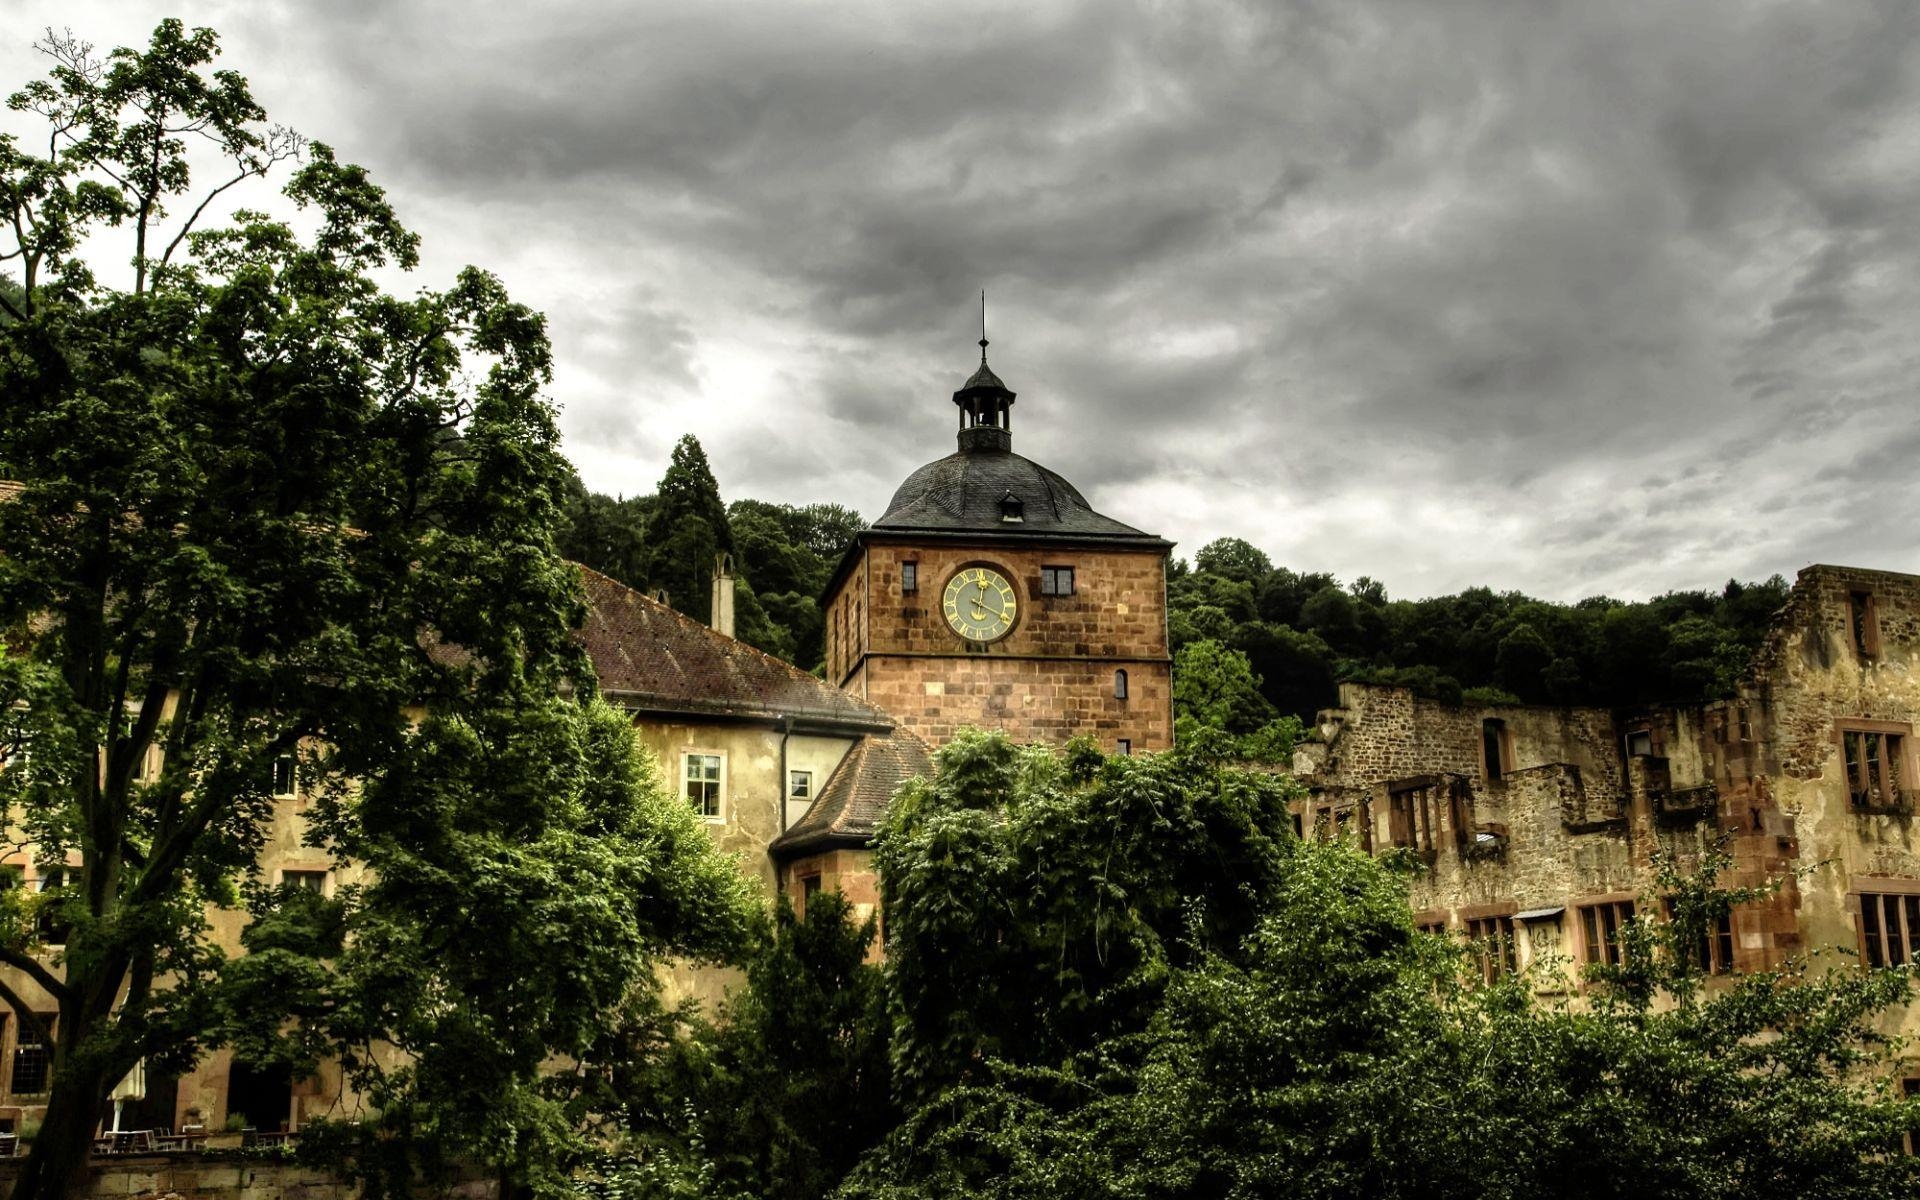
[
  {"x": 1889, "y": 928},
  {"x": 1865, "y": 623},
  {"x": 1601, "y": 925},
  {"x": 1640, "y": 743},
  {"x": 1413, "y": 818},
  {"x": 1119, "y": 685},
  {"x": 1873, "y": 763},
  {"x": 1493, "y": 747},
  {"x": 1056, "y": 581}
]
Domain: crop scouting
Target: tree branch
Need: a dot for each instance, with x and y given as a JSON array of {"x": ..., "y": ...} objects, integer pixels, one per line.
[
  {"x": 26, "y": 1014},
  {"x": 36, "y": 971}
]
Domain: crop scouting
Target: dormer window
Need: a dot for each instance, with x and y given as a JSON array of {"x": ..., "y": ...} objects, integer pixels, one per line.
[{"x": 1012, "y": 509}]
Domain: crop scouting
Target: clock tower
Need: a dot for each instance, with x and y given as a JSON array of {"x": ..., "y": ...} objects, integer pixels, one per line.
[{"x": 991, "y": 593}]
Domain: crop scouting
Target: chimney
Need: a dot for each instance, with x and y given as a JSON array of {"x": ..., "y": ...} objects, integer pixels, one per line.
[{"x": 723, "y": 594}]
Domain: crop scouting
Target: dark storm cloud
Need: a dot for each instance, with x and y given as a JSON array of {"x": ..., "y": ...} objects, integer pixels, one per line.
[{"x": 1569, "y": 297}]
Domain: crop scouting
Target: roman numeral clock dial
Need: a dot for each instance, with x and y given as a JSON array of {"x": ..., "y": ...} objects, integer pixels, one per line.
[{"x": 979, "y": 604}]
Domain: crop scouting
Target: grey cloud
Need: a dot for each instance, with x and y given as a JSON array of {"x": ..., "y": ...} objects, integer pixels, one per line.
[{"x": 1558, "y": 296}]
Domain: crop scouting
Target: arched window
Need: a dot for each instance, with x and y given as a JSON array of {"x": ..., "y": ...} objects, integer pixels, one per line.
[{"x": 1119, "y": 685}]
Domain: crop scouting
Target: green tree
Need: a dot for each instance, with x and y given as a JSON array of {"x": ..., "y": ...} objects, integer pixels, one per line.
[
  {"x": 688, "y": 530},
  {"x": 1330, "y": 1050},
  {"x": 1215, "y": 687},
  {"x": 1234, "y": 559},
  {"x": 781, "y": 1095},
  {"x": 1035, "y": 904},
  {"x": 271, "y": 512}
]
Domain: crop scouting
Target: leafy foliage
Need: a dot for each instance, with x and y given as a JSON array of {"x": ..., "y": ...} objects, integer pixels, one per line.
[
  {"x": 783, "y": 1094},
  {"x": 271, "y": 511},
  {"x": 1314, "y": 1043}
]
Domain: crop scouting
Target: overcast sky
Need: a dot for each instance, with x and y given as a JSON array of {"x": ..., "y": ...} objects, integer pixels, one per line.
[{"x": 1566, "y": 297}]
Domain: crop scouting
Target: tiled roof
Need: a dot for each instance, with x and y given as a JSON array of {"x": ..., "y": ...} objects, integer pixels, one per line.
[
  {"x": 849, "y": 808},
  {"x": 647, "y": 655}
]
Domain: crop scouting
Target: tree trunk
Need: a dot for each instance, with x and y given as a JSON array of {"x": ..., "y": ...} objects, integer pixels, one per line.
[{"x": 57, "y": 1165}]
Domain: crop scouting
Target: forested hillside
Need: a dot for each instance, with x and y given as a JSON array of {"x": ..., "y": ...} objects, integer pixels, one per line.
[{"x": 1300, "y": 632}]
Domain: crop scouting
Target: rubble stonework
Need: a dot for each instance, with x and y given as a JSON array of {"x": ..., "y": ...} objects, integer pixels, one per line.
[{"x": 1572, "y": 815}]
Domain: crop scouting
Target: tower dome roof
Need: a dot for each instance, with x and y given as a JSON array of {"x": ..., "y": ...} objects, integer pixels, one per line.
[{"x": 992, "y": 490}]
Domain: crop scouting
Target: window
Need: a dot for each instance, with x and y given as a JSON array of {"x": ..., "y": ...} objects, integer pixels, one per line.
[
  {"x": 306, "y": 881},
  {"x": 1493, "y": 748},
  {"x": 32, "y": 1060},
  {"x": 1864, "y": 621},
  {"x": 703, "y": 784},
  {"x": 1712, "y": 948},
  {"x": 1124, "y": 746},
  {"x": 1640, "y": 743},
  {"x": 1056, "y": 581},
  {"x": 909, "y": 578},
  {"x": 47, "y": 921},
  {"x": 1601, "y": 924},
  {"x": 1412, "y": 817},
  {"x": 1874, "y": 760},
  {"x": 1012, "y": 509},
  {"x": 285, "y": 786},
  {"x": 1889, "y": 928},
  {"x": 1435, "y": 925},
  {"x": 1119, "y": 685},
  {"x": 1492, "y": 939},
  {"x": 799, "y": 785}
]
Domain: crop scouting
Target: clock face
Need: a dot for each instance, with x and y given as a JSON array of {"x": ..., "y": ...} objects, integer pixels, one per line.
[{"x": 979, "y": 604}]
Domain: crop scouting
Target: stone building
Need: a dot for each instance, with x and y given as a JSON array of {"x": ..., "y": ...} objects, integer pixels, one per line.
[
  {"x": 989, "y": 594},
  {"x": 1538, "y": 826}
]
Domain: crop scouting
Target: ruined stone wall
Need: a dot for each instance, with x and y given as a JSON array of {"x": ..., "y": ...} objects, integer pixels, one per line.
[{"x": 1813, "y": 679}]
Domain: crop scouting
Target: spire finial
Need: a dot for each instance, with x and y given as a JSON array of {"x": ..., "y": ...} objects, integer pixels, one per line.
[{"x": 983, "y": 327}]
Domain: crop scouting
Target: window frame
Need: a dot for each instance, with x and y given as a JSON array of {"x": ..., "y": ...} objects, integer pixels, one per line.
[
  {"x": 298, "y": 877},
  {"x": 1598, "y": 922},
  {"x": 35, "y": 1038},
  {"x": 719, "y": 784},
  {"x": 1896, "y": 772},
  {"x": 1121, "y": 685},
  {"x": 910, "y": 577},
  {"x": 1051, "y": 577},
  {"x": 1413, "y": 814},
  {"x": 1901, "y": 897},
  {"x": 804, "y": 780},
  {"x": 1718, "y": 942},
  {"x": 1123, "y": 747},
  {"x": 1496, "y": 943}
]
